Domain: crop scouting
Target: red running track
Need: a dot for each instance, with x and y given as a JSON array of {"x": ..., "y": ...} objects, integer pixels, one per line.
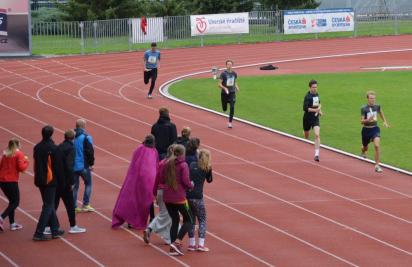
[{"x": 270, "y": 204}]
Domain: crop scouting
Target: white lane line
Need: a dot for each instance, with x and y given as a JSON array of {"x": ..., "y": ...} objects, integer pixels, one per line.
[
  {"x": 234, "y": 209},
  {"x": 62, "y": 238},
  {"x": 387, "y": 68},
  {"x": 139, "y": 141},
  {"x": 140, "y": 238},
  {"x": 102, "y": 215},
  {"x": 163, "y": 89},
  {"x": 12, "y": 263},
  {"x": 258, "y": 165},
  {"x": 290, "y": 235},
  {"x": 239, "y": 158},
  {"x": 210, "y": 147},
  {"x": 118, "y": 186}
]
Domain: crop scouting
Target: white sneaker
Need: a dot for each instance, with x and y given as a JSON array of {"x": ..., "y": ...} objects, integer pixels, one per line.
[
  {"x": 149, "y": 96},
  {"x": 229, "y": 125},
  {"x": 378, "y": 168},
  {"x": 47, "y": 231},
  {"x": 15, "y": 226},
  {"x": 76, "y": 230},
  {"x": 88, "y": 208},
  {"x": 202, "y": 249}
]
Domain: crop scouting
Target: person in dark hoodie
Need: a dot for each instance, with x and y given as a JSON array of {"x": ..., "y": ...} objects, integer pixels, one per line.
[
  {"x": 47, "y": 174},
  {"x": 184, "y": 138},
  {"x": 192, "y": 148},
  {"x": 164, "y": 131},
  {"x": 83, "y": 164},
  {"x": 65, "y": 188}
]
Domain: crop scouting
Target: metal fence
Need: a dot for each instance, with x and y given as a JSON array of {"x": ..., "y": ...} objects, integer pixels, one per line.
[{"x": 264, "y": 26}]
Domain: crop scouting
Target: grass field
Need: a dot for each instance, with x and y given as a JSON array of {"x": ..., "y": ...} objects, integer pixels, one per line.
[
  {"x": 276, "y": 102},
  {"x": 64, "y": 44}
]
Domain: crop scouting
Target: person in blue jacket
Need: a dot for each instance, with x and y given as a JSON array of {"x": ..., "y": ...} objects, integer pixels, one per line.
[{"x": 83, "y": 165}]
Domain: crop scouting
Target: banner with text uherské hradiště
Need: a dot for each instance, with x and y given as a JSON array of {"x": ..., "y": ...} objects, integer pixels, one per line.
[
  {"x": 229, "y": 23},
  {"x": 15, "y": 35},
  {"x": 318, "y": 21}
]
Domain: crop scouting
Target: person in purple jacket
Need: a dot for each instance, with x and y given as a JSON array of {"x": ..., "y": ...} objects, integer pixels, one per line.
[{"x": 175, "y": 176}]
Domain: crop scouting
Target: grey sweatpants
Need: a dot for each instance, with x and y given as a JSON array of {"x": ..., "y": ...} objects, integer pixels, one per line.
[{"x": 162, "y": 222}]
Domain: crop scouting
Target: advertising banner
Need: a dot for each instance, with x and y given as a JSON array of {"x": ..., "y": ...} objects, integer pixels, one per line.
[
  {"x": 15, "y": 32},
  {"x": 317, "y": 21},
  {"x": 230, "y": 23}
]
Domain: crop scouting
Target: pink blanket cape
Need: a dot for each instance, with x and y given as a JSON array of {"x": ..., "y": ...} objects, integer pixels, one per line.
[{"x": 136, "y": 195}]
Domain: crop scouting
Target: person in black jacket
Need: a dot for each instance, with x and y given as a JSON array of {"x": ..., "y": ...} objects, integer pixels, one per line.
[
  {"x": 191, "y": 151},
  {"x": 164, "y": 131},
  {"x": 200, "y": 171},
  {"x": 65, "y": 188},
  {"x": 48, "y": 172},
  {"x": 184, "y": 138}
]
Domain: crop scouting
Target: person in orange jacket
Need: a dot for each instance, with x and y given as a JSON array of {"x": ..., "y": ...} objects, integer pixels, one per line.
[{"x": 12, "y": 163}]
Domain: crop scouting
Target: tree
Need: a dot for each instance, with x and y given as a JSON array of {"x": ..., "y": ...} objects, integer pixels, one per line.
[
  {"x": 45, "y": 14},
  {"x": 163, "y": 8},
  {"x": 79, "y": 10},
  {"x": 290, "y": 4},
  {"x": 218, "y": 6}
]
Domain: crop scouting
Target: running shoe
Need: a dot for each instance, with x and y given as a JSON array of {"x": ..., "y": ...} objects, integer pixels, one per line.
[
  {"x": 229, "y": 125},
  {"x": 149, "y": 96},
  {"x": 47, "y": 231},
  {"x": 316, "y": 158},
  {"x": 57, "y": 234},
  {"x": 378, "y": 168},
  {"x": 192, "y": 248},
  {"x": 146, "y": 235},
  {"x": 177, "y": 247},
  {"x": 202, "y": 249},
  {"x": 172, "y": 252},
  {"x": 77, "y": 209},
  {"x": 76, "y": 230},
  {"x": 15, "y": 226},
  {"x": 88, "y": 208},
  {"x": 40, "y": 238}
]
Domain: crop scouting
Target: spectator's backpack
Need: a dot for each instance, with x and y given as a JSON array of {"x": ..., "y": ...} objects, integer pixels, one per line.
[{"x": 88, "y": 152}]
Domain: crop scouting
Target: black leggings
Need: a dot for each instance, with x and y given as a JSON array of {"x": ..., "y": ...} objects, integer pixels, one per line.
[
  {"x": 67, "y": 196},
  {"x": 152, "y": 212},
  {"x": 11, "y": 191},
  {"x": 152, "y": 74},
  {"x": 231, "y": 100},
  {"x": 174, "y": 210}
]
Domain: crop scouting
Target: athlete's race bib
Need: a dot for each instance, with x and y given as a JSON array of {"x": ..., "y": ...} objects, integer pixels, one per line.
[
  {"x": 152, "y": 59},
  {"x": 230, "y": 81},
  {"x": 372, "y": 114},
  {"x": 315, "y": 101}
]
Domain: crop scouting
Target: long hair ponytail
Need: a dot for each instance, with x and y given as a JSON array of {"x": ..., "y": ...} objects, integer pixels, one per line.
[
  {"x": 171, "y": 181},
  {"x": 13, "y": 145},
  {"x": 171, "y": 172},
  {"x": 204, "y": 161}
]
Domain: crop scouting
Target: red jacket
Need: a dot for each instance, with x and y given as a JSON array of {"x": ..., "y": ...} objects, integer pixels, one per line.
[{"x": 11, "y": 166}]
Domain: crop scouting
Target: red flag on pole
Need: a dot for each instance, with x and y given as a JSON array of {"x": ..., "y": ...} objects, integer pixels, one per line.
[{"x": 143, "y": 25}]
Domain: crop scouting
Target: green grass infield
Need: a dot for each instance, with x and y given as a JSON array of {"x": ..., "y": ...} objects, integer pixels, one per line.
[{"x": 276, "y": 102}]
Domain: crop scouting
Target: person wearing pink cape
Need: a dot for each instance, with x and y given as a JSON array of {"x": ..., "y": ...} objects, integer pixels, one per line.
[{"x": 135, "y": 199}]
